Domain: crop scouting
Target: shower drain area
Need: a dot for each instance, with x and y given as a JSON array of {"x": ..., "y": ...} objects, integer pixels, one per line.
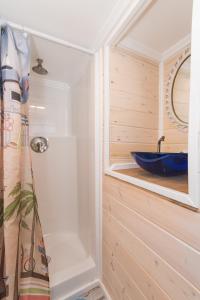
[
  {"x": 67, "y": 256},
  {"x": 94, "y": 294}
]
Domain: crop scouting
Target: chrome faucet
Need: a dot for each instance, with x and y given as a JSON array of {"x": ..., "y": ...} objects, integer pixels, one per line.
[{"x": 159, "y": 143}]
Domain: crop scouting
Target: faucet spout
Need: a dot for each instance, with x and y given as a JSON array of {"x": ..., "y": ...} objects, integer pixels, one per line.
[{"x": 159, "y": 143}]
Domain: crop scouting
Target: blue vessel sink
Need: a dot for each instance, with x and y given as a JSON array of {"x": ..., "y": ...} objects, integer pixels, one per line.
[{"x": 163, "y": 164}]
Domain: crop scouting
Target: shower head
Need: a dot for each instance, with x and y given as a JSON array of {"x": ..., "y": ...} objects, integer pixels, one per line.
[{"x": 39, "y": 69}]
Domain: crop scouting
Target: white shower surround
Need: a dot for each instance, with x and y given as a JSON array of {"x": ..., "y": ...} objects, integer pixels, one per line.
[{"x": 65, "y": 179}]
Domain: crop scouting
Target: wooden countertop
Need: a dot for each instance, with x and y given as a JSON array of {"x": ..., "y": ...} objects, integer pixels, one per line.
[{"x": 178, "y": 183}]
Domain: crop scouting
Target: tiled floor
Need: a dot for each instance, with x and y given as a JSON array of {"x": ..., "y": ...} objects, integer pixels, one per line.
[{"x": 94, "y": 294}]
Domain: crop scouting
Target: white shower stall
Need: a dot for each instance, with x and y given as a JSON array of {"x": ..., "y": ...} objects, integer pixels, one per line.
[{"x": 62, "y": 109}]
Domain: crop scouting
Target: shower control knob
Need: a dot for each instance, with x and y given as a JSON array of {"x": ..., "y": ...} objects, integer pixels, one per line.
[{"x": 39, "y": 144}]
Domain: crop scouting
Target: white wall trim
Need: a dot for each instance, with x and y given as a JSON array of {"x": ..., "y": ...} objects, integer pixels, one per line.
[
  {"x": 98, "y": 163},
  {"x": 120, "y": 14},
  {"x": 108, "y": 297},
  {"x": 177, "y": 47},
  {"x": 125, "y": 21},
  {"x": 161, "y": 190},
  {"x": 47, "y": 37},
  {"x": 114, "y": 39},
  {"x": 141, "y": 49},
  {"x": 106, "y": 107},
  {"x": 136, "y": 9},
  {"x": 194, "y": 110},
  {"x": 110, "y": 23}
]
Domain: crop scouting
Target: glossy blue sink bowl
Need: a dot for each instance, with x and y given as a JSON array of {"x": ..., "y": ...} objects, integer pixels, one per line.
[{"x": 163, "y": 164}]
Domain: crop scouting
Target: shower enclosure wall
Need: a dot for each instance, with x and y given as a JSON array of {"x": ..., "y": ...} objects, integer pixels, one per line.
[{"x": 64, "y": 176}]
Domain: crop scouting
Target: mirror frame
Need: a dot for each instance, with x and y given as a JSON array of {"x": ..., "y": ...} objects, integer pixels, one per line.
[{"x": 181, "y": 125}]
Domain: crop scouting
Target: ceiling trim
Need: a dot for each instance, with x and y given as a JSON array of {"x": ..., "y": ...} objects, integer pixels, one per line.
[
  {"x": 131, "y": 44},
  {"x": 47, "y": 37},
  {"x": 177, "y": 47},
  {"x": 139, "y": 48},
  {"x": 120, "y": 20}
]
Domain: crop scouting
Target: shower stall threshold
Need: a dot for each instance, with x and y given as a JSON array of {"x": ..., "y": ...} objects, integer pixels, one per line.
[
  {"x": 68, "y": 284},
  {"x": 70, "y": 266}
]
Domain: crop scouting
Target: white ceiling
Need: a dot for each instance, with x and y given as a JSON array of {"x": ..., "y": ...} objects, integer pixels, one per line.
[
  {"x": 81, "y": 22},
  {"x": 76, "y": 21},
  {"x": 163, "y": 24},
  {"x": 63, "y": 64}
]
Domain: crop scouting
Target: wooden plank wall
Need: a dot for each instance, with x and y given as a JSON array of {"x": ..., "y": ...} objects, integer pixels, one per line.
[
  {"x": 151, "y": 246},
  {"x": 175, "y": 140},
  {"x": 134, "y": 104}
]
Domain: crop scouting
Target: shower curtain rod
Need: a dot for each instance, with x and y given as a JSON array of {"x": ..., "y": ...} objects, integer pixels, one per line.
[{"x": 46, "y": 36}]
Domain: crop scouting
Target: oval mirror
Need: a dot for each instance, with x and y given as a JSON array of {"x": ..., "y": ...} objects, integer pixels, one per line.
[{"x": 181, "y": 91}]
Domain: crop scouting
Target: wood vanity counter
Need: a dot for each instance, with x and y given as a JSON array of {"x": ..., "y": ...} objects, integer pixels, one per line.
[{"x": 178, "y": 183}]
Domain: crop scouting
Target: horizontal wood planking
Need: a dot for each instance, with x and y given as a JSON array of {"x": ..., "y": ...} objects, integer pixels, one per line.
[
  {"x": 127, "y": 117},
  {"x": 127, "y": 284},
  {"x": 183, "y": 223},
  {"x": 131, "y": 64},
  {"x": 174, "y": 148},
  {"x": 187, "y": 264},
  {"x": 161, "y": 237},
  {"x": 173, "y": 136},
  {"x": 145, "y": 283},
  {"x": 115, "y": 286},
  {"x": 168, "y": 279},
  {"x": 124, "y": 99},
  {"x": 128, "y": 134},
  {"x": 121, "y": 151},
  {"x": 133, "y": 104}
]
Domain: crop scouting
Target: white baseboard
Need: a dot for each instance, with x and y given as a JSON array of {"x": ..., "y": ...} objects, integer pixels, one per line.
[{"x": 105, "y": 291}]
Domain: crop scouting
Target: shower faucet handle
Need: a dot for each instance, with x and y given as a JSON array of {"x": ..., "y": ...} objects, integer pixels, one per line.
[{"x": 39, "y": 144}]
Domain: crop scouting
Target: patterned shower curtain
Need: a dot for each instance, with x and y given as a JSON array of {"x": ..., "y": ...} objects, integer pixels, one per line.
[{"x": 23, "y": 261}]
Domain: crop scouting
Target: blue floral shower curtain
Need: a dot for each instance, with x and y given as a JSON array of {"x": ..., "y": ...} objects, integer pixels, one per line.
[{"x": 23, "y": 261}]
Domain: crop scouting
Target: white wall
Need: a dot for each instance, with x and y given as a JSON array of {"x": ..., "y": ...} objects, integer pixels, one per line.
[
  {"x": 64, "y": 174},
  {"x": 83, "y": 129},
  {"x": 55, "y": 171},
  {"x": 50, "y": 108},
  {"x": 64, "y": 179}
]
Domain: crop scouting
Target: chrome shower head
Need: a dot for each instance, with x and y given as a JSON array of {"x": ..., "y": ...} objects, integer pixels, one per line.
[{"x": 39, "y": 69}]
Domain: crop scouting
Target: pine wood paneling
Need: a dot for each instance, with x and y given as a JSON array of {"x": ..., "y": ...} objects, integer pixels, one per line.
[
  {"x": 132, "y": 118},
  {"x": 178, "y": 183},
  {"x": 127, "y": 284},
  {"x": 133, "y": 104},
  {"x": 143, "y": 281},
  {"x": 121, "y": 151},
  {"x": 154, "y": 241},
  {"x": 125, "y": 134}
]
